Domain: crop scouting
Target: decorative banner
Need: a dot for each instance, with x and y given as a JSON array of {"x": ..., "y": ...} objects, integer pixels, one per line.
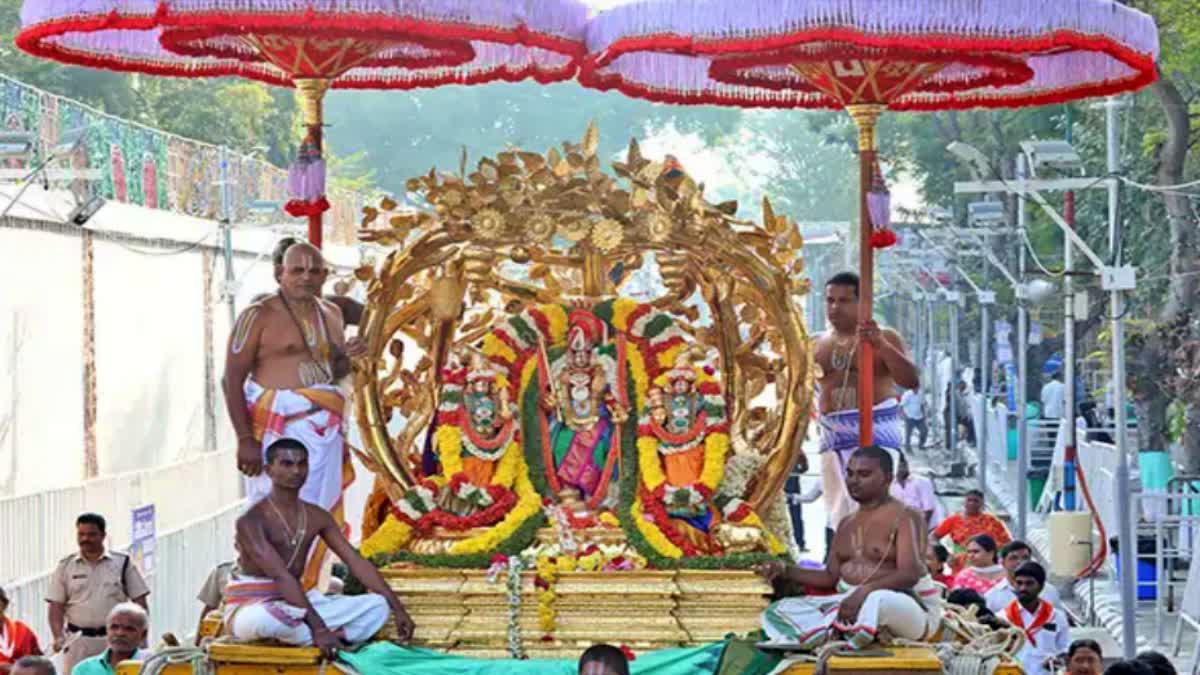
[
  {"x": 141, "y": 549},
  {"x": 153, "y": 168}
]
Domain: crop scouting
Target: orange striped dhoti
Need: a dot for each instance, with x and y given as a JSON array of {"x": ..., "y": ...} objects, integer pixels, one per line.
[{"x": 312, "y": 416}]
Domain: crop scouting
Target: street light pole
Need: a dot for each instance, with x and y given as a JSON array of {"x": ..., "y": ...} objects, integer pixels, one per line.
[
  {"x": 1125, "y": 512},
  {"x": 1022, "y": 368}
]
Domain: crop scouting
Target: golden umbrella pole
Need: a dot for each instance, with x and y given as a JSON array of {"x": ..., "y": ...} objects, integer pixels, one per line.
[{"x": 866, "y": 117}]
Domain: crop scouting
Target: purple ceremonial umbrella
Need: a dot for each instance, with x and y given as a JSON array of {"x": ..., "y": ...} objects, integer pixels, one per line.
[
  {"x": 314, "y": 45},
  {"x": 867, "y": 56}
]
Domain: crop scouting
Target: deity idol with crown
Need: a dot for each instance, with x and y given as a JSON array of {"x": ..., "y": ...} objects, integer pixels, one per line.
[
  {"x": 683, "y": 443},
  {"x": 585, "y": 406},
  {"x": 477, "y": 448}
]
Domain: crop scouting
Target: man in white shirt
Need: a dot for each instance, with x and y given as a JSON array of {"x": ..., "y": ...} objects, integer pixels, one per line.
[
  {"x": 913, "y": 406},
  {"x": 1053, "y": 396},
  {"x": 1047, "y": 635},
  {"x": 915, "y": 492},
  {"x": 1012, "y": 556}
]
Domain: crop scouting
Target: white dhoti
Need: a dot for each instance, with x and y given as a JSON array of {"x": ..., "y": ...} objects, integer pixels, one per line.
[
  {"x": 255, "y": 612},
  {"x": 312, "y": 416},
  {"x": 839, "y": 439},
  {"x": 811, "y": 621}
]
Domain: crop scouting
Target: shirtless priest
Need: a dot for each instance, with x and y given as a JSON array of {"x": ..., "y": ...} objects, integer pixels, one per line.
[
  {"x": 837, "y": 354},
  {"x": 286, "y": 355},
  {"x": 265, "y": 600},
  {"x": 875, "y": 570}
]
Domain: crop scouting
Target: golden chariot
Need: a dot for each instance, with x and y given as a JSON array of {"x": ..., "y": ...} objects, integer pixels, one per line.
[{"x": 583, "y": 394}]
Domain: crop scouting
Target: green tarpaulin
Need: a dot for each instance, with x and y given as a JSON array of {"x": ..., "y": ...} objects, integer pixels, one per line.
[{"x": 389, "y": 659}]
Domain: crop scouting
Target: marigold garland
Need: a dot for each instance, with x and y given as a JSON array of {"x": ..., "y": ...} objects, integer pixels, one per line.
[
  {"x": 652, "y": 534},
  {"x": 393, "y": 535},
  {"x": 649, "y": 464},
  {"x": 448, "y": 441},
  {"x": 508, "y": 466},
  {"x": 716, "y": 447},
  {"x": 494, "y": 347},
  {"x": 529, "y": 504},
  {"x": 557, "y": 318},
  {"x": 621, "y": 309}
]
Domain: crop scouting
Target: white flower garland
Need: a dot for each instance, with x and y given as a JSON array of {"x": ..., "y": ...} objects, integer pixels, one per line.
[{"x": 516, "y": 647}]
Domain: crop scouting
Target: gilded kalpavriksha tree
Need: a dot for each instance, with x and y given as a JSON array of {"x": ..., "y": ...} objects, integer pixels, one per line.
[{"x": 525, "y": 376}]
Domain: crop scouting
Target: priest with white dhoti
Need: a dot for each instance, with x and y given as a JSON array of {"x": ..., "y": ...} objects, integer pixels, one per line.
[
  {"x": 265, "y": 599},
  {"x": 874, "y": 584}
]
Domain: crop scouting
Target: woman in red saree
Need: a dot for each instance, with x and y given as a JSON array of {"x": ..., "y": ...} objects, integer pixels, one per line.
[
  {"x": 16, "y": 640},
  {"x": 963, "y": 527}
]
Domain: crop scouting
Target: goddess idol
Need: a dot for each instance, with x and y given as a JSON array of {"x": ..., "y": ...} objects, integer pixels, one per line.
[{"x": 586, "y": 406}]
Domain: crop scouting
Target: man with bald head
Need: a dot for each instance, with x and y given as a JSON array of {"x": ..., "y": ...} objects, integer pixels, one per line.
[{"x": 285, "y": 358}]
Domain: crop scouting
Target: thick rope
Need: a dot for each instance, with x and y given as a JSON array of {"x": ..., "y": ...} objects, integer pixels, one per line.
[{"x": 197, "y": 657}]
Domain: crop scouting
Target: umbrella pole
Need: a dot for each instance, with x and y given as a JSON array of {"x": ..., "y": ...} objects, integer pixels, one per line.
[
  {"x": 865, "y": 117},
  {"x": 310, "y": 94}
]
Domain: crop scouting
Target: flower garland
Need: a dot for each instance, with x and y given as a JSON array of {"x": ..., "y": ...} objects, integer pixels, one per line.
[
  {"x": 418, "y": 509},
  {"x": 392, "y": 536},
  {"x": 513, "y": 566},
  {"x": 528, "y": 505},
  {"x": 547, "y": 568},
  {"x": 448, "y": 441}
]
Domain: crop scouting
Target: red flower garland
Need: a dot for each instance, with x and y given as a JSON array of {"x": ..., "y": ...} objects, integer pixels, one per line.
[
  {"x": 503, "y": 500},
  {"x": 652, "y": 505}
]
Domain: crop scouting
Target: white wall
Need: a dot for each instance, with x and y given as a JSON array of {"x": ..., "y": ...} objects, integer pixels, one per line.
[{"x": 41, "y": 390}]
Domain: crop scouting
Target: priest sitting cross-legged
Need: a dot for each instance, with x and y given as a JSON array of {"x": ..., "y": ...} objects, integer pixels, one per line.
[
  {"x": 875, "y": 577},
  {"x": 265, "y": 600}
]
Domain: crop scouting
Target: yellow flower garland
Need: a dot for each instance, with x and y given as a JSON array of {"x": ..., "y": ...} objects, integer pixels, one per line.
[
  {"x": 495, "y": 347},
  {"x": 654, "y": 536},
  {"x": 448, "y": 441},
  {"x": 393, "y": 535},
  {"x": 529, "y": 503},
  {"x": 649, "y": 463},
  {"x": 716, "y": 446},
  {"x": 506, "y": 469},
  {"x": 667, "y": 358},
  {"x": 557, "y": 318},
  {"x": 621, "y": 309},
  {"x": 637, "y": 368}
]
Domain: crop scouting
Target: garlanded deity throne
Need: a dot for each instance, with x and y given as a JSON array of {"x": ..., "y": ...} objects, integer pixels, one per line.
[{"x": 583, "y": 383}]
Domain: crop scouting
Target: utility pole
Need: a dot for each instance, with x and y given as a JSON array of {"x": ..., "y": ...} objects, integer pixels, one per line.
[
  {"x": 1022, "y": 367},
  {"x": 1069, "y": 402},
  {"x": 1125, "y": 511}
]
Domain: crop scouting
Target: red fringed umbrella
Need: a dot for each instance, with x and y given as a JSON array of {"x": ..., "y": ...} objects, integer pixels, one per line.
[
  {"x": 314, "y": 45},
  {"x": 867, "y": 57}
]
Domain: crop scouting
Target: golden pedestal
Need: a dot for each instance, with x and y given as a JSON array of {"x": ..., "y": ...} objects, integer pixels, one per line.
[
  {"x": 434, "y": 600},
  {"x": 461, "y": 612},
  {"x": 715, "y": 603}
]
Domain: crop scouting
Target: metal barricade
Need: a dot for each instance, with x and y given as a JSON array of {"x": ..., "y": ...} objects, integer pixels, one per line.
[
  {"x": 51, "y": 514},
  {"x": 183, "y": 559}
]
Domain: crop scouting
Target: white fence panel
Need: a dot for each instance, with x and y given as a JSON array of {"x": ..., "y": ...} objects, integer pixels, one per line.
[
  {"x": 205, "y": 483},
  {"x": 183, "y": 559}
]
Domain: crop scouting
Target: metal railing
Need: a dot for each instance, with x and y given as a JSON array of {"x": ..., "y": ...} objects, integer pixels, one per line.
[
  {"x": 183, "y": 559},
  {"x": 205, "y": 483}
]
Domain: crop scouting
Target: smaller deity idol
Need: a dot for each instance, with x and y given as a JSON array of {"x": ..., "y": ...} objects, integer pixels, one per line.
[
  {"x": 683, "y": 440},
  {"x": 487, "y": 422},
  {"x": 477, "y": 448},
  {"x": 583, "y": 402}
]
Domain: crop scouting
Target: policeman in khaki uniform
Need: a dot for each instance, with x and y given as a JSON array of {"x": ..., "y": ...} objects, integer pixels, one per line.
[{"x": 83, "y": 589}]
